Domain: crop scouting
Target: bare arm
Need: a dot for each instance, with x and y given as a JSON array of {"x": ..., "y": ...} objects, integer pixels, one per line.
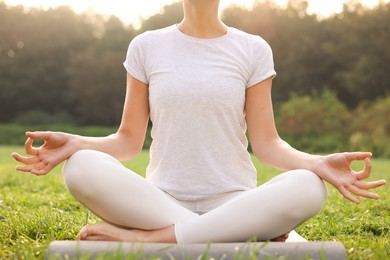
[
  {"x": 125, "y": 144},
  {"x": 265, "y": 141},
  {"x": 269, "y": 148}
]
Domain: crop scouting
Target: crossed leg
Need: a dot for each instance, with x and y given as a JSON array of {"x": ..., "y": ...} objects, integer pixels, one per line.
[{"x": 134, "y": 210}]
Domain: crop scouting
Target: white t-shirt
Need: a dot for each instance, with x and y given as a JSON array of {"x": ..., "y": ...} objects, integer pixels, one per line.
[{"x": 196, "y": 98}]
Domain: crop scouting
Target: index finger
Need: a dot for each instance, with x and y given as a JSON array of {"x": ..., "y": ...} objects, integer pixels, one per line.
[
  {"x": 353, "y": 156},
  {"x": 28, "y": 146},
  {"x": 38, "y": 135}
]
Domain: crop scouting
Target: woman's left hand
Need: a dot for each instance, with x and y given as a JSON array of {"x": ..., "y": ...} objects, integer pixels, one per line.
[{"x": 336, "y": 169}]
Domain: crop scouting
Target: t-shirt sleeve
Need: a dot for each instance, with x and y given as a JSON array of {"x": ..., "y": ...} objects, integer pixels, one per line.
[
  {"x": 262, "y": 63},
  {"x": 135, "y": 60}
]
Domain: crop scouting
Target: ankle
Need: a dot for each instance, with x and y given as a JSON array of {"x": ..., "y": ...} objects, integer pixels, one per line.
[{"x": 165, "y": 235}]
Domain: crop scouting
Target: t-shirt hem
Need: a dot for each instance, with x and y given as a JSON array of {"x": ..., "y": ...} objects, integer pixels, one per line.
[
  {"x": 269, "y": 74},
  {"x": 135, "y": 74},
  {"x": 199, "y": 197}
]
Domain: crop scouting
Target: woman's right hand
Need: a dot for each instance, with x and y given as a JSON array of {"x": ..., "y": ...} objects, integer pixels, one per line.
[{"x": 57, "y": 147}]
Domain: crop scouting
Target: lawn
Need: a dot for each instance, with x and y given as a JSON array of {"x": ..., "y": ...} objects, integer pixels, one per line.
[{"x": 36, "y": 210}]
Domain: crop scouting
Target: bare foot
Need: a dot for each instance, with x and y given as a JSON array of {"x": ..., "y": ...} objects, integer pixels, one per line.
[
  {"x": 282, "y": 238},
  {"x": 104, "y": 231},
  {"x": 108, "y": 232}
]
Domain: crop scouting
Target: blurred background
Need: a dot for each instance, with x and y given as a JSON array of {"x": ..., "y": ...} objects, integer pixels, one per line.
[{"x": 61, "y": 66}]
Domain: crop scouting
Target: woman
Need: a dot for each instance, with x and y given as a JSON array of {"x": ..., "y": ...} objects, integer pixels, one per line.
[{"x": 203, "y": 85}]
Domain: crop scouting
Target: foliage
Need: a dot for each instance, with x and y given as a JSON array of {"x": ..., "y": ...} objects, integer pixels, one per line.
[
  {"x": 40, "y": 117},
  {"x": 321, "y": 123},
  {"x": 35, "y": 211},
  {"x": 371, "y": 127},
  {"x": 99, "y": 100},
  {"x": 34, "y": 48},
  {"x": 314, "y": 123},
  {"x": 46, "y": 64},
  {"x": 169, "y": 14},
  {"x": 357, "y": 52},
  {"x": 63, "y": 63}
]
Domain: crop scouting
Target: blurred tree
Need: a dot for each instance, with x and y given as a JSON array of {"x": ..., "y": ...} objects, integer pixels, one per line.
[
  {"x": 97, "y": 87},
  {"x": 114, "y": 36},
  {"x": 97, "y": 77},
  {"x": 57, "y": 61},
  {"x": 37, "y": 61},
  {"x": 359, "y": 53},
  {"x": 34, "y": 59},
  {"x": 315, "y": 123},
  {"x": 371, "y": 130},
  {"x": 169, "y": 14}
]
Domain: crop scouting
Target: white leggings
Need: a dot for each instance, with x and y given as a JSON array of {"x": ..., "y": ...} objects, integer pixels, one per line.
[{"x": 123, "y": 198}]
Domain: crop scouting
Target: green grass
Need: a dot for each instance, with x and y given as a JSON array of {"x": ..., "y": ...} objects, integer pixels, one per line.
[{"x": 36, "y": 210}]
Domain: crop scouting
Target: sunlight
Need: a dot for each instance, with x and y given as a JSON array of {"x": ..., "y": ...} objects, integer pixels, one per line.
[{"x": 132, "y": 11}]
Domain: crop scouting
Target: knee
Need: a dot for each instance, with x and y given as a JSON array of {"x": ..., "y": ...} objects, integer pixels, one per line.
[
  {"x": 310, "y": 192},
  {"x": 78, "y": 170}
]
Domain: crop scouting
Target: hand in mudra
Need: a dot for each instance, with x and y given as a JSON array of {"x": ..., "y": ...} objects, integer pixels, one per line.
[
  {"x": 56, "y": 148},
  {"x": 337, "y": 171}
]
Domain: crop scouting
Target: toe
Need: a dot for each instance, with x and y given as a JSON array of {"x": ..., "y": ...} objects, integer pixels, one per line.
[{"x": 83, "y": 234}]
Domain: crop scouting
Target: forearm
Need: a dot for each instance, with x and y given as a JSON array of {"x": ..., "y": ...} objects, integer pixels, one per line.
[
  {"x": 119, "y": 145},
  {"x": 281, "y": 155}
]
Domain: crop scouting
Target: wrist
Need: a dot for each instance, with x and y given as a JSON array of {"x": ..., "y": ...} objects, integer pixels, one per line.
[
  {"x": 76, "y": 143},
  {"x": 316, "y": 164}
]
